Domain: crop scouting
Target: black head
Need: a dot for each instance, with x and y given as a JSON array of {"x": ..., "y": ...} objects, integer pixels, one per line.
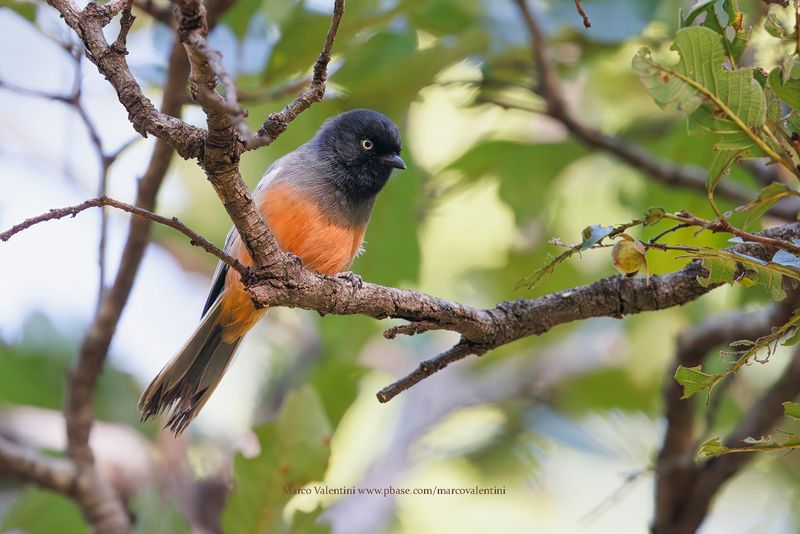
[{"x": 364, "y": 147}]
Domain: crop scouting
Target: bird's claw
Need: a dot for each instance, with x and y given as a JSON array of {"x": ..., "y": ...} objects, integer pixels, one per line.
[
  {"x": 353, "y": 278},
  {"x": 294, "y": 258}
]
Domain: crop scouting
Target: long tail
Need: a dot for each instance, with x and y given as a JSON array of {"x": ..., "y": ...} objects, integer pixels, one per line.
[{"x": 185, "y": 384}]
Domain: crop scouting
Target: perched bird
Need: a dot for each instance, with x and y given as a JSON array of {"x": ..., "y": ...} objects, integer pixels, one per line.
[{"x": 317, "y": 201}]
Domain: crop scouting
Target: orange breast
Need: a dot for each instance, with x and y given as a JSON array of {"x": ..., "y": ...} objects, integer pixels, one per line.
[{"x": 301, "y": 228}]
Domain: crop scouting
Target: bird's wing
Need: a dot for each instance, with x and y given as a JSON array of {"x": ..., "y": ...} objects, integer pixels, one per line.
[{"x": 218, "y": 280}]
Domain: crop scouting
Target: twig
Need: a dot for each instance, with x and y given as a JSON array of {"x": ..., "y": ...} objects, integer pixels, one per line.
[
  {"x": 690, "y": 501},
  {"x": 276, "y": 123},
  {"x": 586, "y": 22},
  {"x": 412, "y": 329},
  {"x": 669, "y": 230},
  {"x": 549, "y": 88},
  {"x": 88, "y": 24},
  {"x": 287, "y": 284},
  {"x": 428, "y": 367},
  {"x": 71, "y": 211},
  {"x": 676, "y": 470},
  {"x": 723, "y": 226}
]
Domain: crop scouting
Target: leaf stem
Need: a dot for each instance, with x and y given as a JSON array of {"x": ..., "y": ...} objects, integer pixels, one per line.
[{"x": 760, "y": 143}]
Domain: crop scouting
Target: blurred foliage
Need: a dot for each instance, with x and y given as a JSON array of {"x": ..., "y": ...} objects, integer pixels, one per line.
[
  {"x": 41, "y": 512},
  {"x": 294, "y": 451},
  {"x": 32, "y": 373},
  {"x": 439, "y": 68}
]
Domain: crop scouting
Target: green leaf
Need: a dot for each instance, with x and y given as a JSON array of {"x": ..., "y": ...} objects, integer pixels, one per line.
[
  {"x": 741, "y": 35},
  {"x": 703, "y": 6},
  {"x": 794, "y": 339},
  {"x": 593, "y": 234},
  {"x": 294, "y": 451},
  {"x": 723, "y": 267},
  {"x": 22, "y": 8},
  {"x": 721, "y": 270},
  {"x": 713, "y": 447},
  {"x": 775, "y": 27},
  {"x": 42, "y": 512},
  {"x": 791, "y": 409},
  {"x": 788, "y": 91},
  {"x": 771, "y": 280},
  {"x": 694, "y": 380},
  {"x": 720, "y": 166},
  {"x": 698, "y": 79},
  {"x": 768, "y": 197},
  {"x": 239, "y": 15}
]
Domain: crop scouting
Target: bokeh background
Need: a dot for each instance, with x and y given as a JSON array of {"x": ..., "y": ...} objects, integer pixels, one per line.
[{"x": 567, "y": 424}]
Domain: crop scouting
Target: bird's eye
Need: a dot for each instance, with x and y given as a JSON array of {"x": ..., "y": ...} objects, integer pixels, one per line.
[{"x": 366, "y": 144}]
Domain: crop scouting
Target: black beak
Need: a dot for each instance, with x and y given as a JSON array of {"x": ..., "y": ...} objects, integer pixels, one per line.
[{"x": 393, "y": 160}]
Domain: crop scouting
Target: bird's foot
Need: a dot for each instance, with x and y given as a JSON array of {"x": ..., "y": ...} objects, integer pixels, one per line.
[
  {"x": 294, "y": 258},
  {"x": 353, "y": 278}
]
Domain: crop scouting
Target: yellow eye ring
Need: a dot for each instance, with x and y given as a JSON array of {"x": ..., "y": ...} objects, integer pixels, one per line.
[{"x": 366, "y": 144}]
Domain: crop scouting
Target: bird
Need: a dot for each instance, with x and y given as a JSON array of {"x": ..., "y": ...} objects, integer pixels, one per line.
[{"x": 317, "y": 201}]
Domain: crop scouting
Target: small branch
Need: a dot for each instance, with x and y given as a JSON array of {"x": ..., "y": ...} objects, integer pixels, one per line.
[
  {"x": 428, "y": 367},
  {"x": 88, "y": 24},
  {"x": 411, "y": 329},
  {"x": 549, "y": 88},
  {"x": 276, "y": 123},
  {"x": 287, "y": 284},
  {"x": 676, "y": 470},
  {"x": 125, "y": 24},
  {"x": 71, "y": 211},
  {"x": 695, "y": 498},
  {"x": 586, "y": 22},
  {"x": 723, "y": 226},
  {"x": 25, "y": 464}
]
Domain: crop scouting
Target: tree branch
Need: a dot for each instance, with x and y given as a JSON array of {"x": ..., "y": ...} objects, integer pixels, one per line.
[
  {"x": 50, "y": 473},
  {"x": 105, "y": 512},
  {"x": 676, "y": 471},
  {"x": 549, "y": 88},
  {"x": 88, "y": 23},
  {"x": 690, "y": 508},
  {"x": 71, "y": 211},
  {"x": 222, "y": 148},
  {"x": 276, "y": 123},
  {"x": 289, "y": 284}
]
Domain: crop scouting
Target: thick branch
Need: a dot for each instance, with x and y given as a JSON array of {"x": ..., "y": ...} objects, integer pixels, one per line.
[
  {"x": 288, "y": 284},
  {"x": 25, "y": 464}
]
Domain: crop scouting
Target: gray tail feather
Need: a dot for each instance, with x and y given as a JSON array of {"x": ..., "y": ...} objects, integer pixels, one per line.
[{"x": 185, "y": 384}]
